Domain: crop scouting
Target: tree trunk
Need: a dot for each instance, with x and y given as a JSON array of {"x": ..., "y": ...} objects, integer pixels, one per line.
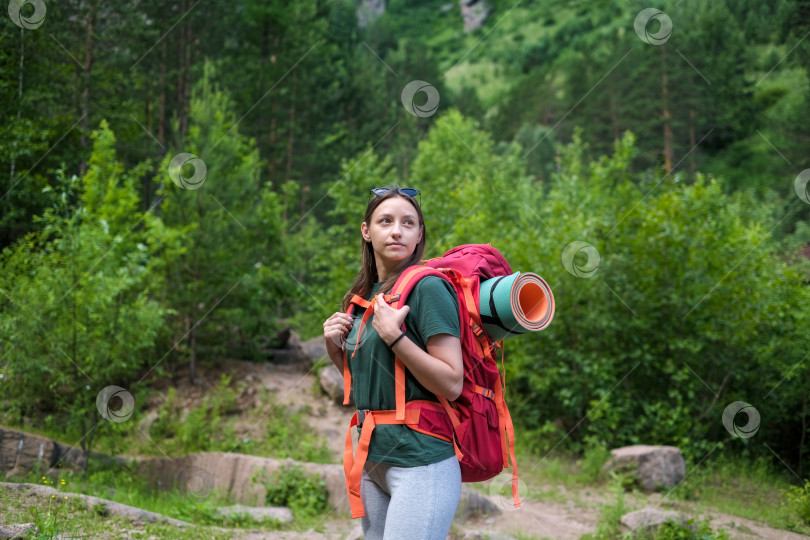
[
  {"x": 88, "y": 67},
  {"x": 193, "y": 362},
  {"x": 87, "y": 442},
  {"x": 19, "y": 107},
  {"x": 804, "y": 434},
  {"x": 147, "y": 182},
  {"x": 614, "y": 115},
  {"x": 692, "y": 156},
  {"x": 162, "y": 98},
  {"x": 181, "y": 40},
  {"x": 264, "y": 66},
  {"x": 187, "y": 79},
  {"x": 273, "y": 139},
  {"x": 291, "y": 136},
  {"x": 666, "y": 113}
]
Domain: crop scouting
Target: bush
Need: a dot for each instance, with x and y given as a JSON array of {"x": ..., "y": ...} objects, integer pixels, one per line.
[
  {"x": 304, "y": 494},
  {"x": 693, "y": 530},
  {"x": 799, "y": 501}
]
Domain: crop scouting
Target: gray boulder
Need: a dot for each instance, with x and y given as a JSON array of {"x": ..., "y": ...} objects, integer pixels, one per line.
[
  {"x": 653, "y": 467},
  {"x": 473, "y": 505},
  {"x": 485, "y": 535},
  {"x": 258, "y": 513},
  {"x": 332, "y": 383},
  {"x": 18, "y": 531},
  {"x": 647, "y": 519},
  {"x": 314, "y": 348},
  {"x": 287, "y": 349}
]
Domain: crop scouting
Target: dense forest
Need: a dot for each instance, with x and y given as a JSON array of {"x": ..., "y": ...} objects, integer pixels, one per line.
[{"x": 181, "y": 180}]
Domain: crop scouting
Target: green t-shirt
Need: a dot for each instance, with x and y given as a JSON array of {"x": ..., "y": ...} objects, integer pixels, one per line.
[{"x": 434, "y": 310}]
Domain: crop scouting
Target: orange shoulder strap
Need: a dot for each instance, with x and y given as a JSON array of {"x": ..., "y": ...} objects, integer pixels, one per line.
[{"x": 404, "y": 283}]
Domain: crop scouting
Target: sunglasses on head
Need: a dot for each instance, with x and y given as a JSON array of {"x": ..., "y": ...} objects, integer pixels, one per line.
[{"x": 410, "y": 192}]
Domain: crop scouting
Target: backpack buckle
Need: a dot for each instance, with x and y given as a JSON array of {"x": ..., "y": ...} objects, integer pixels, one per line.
[
  {"x": 361, "y": 415},
  {"x": 478, "y": 331}
]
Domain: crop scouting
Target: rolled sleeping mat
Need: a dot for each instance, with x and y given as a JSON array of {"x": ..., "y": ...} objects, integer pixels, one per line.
[{"x": 514, "y": 305}]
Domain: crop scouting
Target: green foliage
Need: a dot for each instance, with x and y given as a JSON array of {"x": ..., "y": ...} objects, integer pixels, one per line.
[
  {"x": 593, "y": 460},
  {"x": 697, "y": 300},
  {"x": 692, "y": 530},
  {"x": 198, "y": 430},
  {"x": 303, "y": 493},
  {"x": 78, "y": 311},
  {"x": 224, "y": 285},
  {"x": 632, "y": 348},
  {"x": 799, "y": 501},
  {"x": 48, "y": 524}
]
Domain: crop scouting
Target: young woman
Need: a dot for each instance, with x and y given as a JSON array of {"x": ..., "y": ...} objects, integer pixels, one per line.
[{"x": 411, "y": 481}]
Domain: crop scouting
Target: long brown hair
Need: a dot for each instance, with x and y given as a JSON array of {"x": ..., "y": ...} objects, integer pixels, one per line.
[{"x": 367, "y": 276}]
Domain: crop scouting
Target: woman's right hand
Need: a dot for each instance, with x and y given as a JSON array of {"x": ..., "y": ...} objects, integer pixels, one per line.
[{"x": 335, "y": 330}]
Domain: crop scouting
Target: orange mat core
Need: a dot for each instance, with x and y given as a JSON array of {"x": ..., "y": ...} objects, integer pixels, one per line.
[{"x": 533, "y": 302}]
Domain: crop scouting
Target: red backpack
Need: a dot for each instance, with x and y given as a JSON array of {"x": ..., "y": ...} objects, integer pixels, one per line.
[{"x": 477, "y": 422}]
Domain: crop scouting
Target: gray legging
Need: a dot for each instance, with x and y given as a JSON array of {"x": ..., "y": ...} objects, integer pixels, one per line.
[{"x": 417, "y": 503}]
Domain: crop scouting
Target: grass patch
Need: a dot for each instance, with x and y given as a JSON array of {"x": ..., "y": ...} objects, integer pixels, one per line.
[
  {"x": 750, "y": 489},
  {"x": 122, "y": 485},
  {"x": 565, "y": 469},
  {"x": 692, "y": 530},
  {"x": 70, "y": 517},
  {"x": 63, "y": 513},
  {"x": 612, "y": 512}
]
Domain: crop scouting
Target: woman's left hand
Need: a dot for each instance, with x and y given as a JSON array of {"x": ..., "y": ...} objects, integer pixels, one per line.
[{"x": 387, "y": 321}]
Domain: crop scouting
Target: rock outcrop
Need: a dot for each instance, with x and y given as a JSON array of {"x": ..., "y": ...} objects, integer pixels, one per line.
[
  {"x": 21, "y": 453},
  {"x": 653, "y": 467},
  {"x": 474, "y": 13},
  {"x": 238, "y": 476}
]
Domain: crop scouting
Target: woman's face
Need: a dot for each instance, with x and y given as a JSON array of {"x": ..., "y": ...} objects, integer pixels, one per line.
[{"x": 394, "y": 230}]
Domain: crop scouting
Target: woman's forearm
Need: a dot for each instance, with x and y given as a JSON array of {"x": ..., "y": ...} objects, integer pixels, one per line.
[
  {"x": 441, "y": 375},
  {"x": 336, "y": 356}
]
